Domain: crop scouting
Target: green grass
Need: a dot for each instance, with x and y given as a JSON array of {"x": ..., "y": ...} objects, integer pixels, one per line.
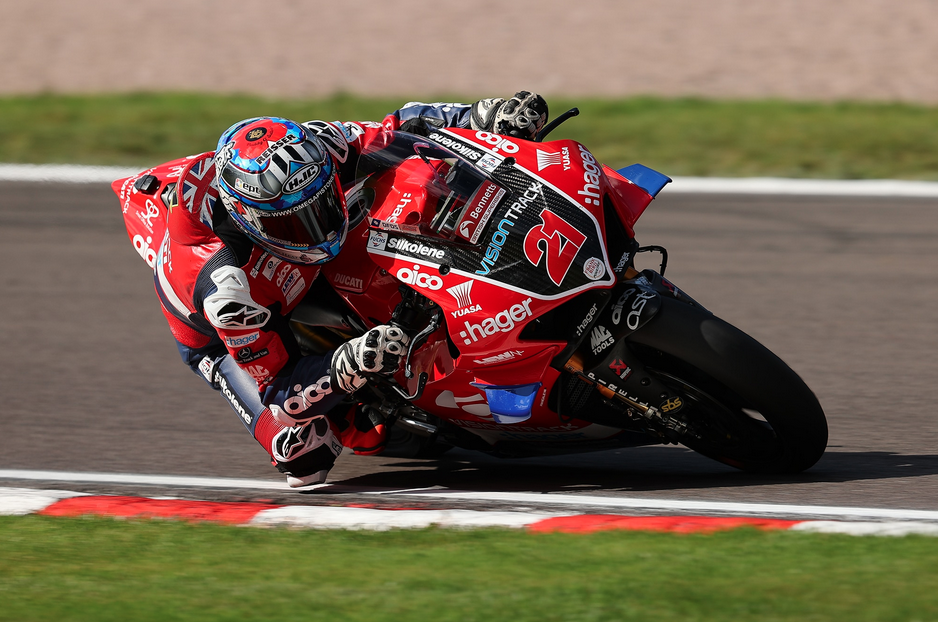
[
  {"x": 101, "y": 569},
  {"x": 676, "y": 136}
]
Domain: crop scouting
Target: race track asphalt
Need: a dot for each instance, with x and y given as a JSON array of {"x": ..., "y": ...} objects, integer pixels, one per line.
[{"x": 844, "y": 290}]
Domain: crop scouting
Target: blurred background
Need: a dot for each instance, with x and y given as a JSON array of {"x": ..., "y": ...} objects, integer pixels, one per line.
[{"x": 878, "y": 50}]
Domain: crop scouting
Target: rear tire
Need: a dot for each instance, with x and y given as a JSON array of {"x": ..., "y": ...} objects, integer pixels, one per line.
[{"x": 747, "y": 407}]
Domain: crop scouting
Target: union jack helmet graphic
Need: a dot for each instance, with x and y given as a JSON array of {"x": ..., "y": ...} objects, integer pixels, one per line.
[{"x": 280, "y": 186}]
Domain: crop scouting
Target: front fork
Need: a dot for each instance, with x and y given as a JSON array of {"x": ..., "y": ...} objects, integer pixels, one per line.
[{"x": 604, "y": 359}]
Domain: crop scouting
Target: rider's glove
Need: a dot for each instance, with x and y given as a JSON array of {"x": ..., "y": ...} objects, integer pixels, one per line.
[
  {"x": 378, "y": 351},
  {"x": 522, "y": 116}
]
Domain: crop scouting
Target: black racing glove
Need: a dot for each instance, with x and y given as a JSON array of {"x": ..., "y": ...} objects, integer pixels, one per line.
[
  {"x": 378, "y": 351},
  {"x": 522, "y": 116}
]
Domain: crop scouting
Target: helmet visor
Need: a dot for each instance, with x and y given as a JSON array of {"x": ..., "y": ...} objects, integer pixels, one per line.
[{"x": 307, "y": 225}]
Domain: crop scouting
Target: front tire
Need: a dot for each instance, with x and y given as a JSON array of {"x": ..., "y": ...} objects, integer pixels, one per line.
[{"x": 744, "y": 405}]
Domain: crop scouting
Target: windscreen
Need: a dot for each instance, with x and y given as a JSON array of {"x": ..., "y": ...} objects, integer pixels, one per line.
[{"x": 458, "y": 196}]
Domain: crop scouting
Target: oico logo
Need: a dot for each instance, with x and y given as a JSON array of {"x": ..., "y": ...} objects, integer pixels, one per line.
[
  {"x": 415, "y": 277},
  {"x": 497, "y": 142},
  {"x": 143, "y": 247}
]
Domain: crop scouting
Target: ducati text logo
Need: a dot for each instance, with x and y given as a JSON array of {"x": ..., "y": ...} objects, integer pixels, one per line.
[
  {"x": 415, "y": 277},
  {"x": 503, "y": 321},
  {"x": 463, "y": 299},
  {"x": 347, "y": 281},
  {"x": 545, "y": 159},
  {"x": 600, "y": 339}
]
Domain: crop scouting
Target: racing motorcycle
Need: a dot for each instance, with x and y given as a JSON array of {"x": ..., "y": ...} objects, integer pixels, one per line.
[{"x": 511, "y": 264}]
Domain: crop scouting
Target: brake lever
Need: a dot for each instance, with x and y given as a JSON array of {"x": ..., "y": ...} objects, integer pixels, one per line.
[{"x": 430, "y": 327}]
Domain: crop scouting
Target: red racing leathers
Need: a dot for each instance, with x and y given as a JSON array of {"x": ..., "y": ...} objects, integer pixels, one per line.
[{"x": 228, "y": 303}]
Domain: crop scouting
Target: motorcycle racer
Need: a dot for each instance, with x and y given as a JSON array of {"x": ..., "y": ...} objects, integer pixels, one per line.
[{"x": 228, "y": 279}]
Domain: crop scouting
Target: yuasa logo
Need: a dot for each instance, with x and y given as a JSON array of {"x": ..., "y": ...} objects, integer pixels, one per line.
[
  {"x": 497, "y": 142},
  {"x": 545, "y": 159},
  {"x": 600, "y": 339},
  {"x": 463, "y": 299},
  {"x": 242, "y": 340},
  {"x": 415, "y": 277},
  {"x": 461, "y": 293},
  {"x": 590, "y": 191},
  {"x": 143, "y": 247},
  {"x": 503, "y": 322}
]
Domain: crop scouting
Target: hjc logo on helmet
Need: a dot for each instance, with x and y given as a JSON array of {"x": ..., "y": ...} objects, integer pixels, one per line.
[{"x": 301, "y": 179}]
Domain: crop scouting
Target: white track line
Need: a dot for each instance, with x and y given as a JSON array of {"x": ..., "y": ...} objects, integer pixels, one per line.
[
  {"x": 172, "y": 481},
  {"x": 381, "y": 520},
  {"x": 821, "y": 187},
  {"x": 68, "y": 173},
  {"x": 23, "y": 501},
  {"x": 72, "y": 173},
  {"x": 680, "y": 505},
  {"x": 530, "y": 499}
]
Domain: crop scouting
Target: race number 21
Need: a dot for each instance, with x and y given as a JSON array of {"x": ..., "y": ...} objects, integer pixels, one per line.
[{"x": 556, "y": 240}]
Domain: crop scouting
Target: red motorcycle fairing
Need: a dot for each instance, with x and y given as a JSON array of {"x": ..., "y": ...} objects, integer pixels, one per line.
[{"x": 540, "y": 213}]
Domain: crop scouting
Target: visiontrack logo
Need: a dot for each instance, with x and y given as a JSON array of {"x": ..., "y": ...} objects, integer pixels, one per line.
[
  {"x": 504, "y": 322},
  {"x": 505, "y": 225}
]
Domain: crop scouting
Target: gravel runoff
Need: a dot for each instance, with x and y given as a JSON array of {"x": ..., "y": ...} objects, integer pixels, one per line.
[{"x": 797, "y": 49}]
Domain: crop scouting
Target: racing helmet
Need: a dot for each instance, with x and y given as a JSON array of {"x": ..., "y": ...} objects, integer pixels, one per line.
[{"x": 281, "y": 188}]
